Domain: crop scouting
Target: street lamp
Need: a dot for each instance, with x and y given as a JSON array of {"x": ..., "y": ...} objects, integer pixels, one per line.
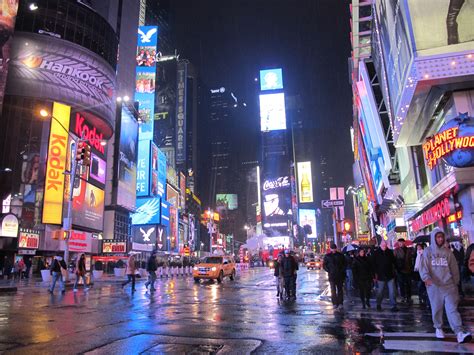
[{"x": 33, "y": 7}]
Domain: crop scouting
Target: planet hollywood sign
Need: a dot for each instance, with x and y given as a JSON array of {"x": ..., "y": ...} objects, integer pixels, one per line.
[
  {"x": 436, "y": 213},
  {"x": 454, "y": 143}
]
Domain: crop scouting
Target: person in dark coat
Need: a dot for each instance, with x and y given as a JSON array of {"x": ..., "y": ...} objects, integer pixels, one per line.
[
  {"x": 151, "y": 267},
  {"x": 404, "y": 258},
  {"x": 288, "y": 269},
  {"x": 458, "y": 251},
  {"x": 335, "y": 265},
  {"x": 363, "y": 276},
  {"x": 278, "y": 273},
  {"x": 383, "y": 262}
]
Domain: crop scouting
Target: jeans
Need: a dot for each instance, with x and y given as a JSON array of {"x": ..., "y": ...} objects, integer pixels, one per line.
[
  {"x": 289, "y": 285},
  {"x": 78, "y": 277},
  {"x": 391, "y": 292},
  {"x": 57, "y": 276},
  {"x": 337, "y": 292},
  {"x": 130, "y": 278},
  {"x": 349, "y": 279},
  {"x": 151, "y": 280},
  {"x": 280, "y": 285}
]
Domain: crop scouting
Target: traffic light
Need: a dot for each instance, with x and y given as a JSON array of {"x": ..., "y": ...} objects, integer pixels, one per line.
[
  {"x": 347, "y": 226},
  {"x": 81, "y": 151},
  {"x": 87, "y": 155}
]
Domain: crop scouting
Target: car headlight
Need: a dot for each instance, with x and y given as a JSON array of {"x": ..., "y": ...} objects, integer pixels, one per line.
[
  {"x": 214, "y": 268},
  {"x": 195, "y": 268}
]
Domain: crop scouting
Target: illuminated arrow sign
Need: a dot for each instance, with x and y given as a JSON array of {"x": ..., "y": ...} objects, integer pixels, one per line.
[{"x": 332, "y": 203}]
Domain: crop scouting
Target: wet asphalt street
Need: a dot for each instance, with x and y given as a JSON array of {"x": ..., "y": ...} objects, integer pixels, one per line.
[{"x": 240, "y": 316}]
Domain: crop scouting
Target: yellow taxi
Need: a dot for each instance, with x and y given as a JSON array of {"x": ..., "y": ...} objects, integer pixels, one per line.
[
  {"x": 215, "y": 268},
  {"x": 314, "y": 264}
]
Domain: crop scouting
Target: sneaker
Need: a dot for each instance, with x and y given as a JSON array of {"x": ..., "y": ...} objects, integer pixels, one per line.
[
  {"x": 464, "y": 337},
  {"x": 440, "y": 334},
  {"x": 379, "y": 307},
  {"x": 75, "y": 290},
  {"x": 86, "y": 289}
]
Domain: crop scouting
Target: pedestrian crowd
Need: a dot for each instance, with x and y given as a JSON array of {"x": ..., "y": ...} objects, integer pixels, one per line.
[{"x": 436, "y": 270}]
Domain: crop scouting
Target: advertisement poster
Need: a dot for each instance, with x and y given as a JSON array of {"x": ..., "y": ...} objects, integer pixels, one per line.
[
  {"x": 442, "y": 26},
  {"x": 114, "y": 247},
  {"x": 127, "y": 164},
  {"x": 276, "y": 196},
  {"x": 147, "y": 211},
  {"x": 172, "y": 195},
  {"x": 165, "y": 117},
  {"x": 272, "y": 112},
  {"x": 143, "y": 168},
  {"x": 144, "y": 234},
  {"x": 308, "y": 217},
  {"x": 28, "y": 239},
  {"x": 97, "y": 170},
  {"x": 161, "y": 174},
  {"x": 161, "y": 238},
  {"x": 8, "y": 10},
  {"x": 147, "y": 41},
  {"x": 173, "y": 228},
  {"x": 271, "y": 79},
  {"x": 182, "y": 190},
  {"x": 61, "y": 71},
  {"x": 55, "y": 164},
  {"x": 165, "y": 213},
  {"x": 305, "y": 182},
  {"x": 79, "y": 242},
  {"x": 88, "y": 206}
]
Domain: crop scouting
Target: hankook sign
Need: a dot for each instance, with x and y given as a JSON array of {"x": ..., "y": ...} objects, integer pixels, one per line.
[{"x": 58, "y": 70}]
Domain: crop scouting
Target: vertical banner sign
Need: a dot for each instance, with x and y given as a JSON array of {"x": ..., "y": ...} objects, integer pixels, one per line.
[
  {"x": 161, "y": 174},
  {"x": 8, "y": 10},
  {"x": 181, "y": 113},
  {"x": 305, "y": 182},
  {"x": 143, "y": 168},
  {"x": 56, "y": 164},
  {"x": 147, "y": 42}
]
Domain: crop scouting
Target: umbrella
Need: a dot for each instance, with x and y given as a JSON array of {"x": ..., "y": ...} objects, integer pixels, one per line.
[
  {"x": 349, "y": 247},
  {"x": 422, "y": 239}
]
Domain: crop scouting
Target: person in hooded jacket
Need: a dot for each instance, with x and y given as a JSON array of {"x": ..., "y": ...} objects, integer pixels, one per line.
[
  {"x": 363, "y": 275},
  {"x": 439, "y": 271}
]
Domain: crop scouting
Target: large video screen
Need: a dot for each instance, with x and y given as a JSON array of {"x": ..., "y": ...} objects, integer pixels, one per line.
[
  {"x": 442, "y": 26},
  {"x": 148, "y": 211},
  {"x": 143, "y": 168},
  {"x": 276, "y": 196},
  {"x": 88, "y": 206},
  {"x": 226, "y": 202},
  {"x": 305, "y": 182},
  {"x": 271, "y": 79},
  {"x": 272, "y": 112},
  {"x": 308, "y": 217},
  {"x": 127, "y": 164}
]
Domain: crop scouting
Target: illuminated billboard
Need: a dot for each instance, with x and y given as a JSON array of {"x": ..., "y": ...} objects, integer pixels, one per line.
[
  {"x": 272, "y": 112},
  {"x": 147, "y": 41},
  {"x": 271, "y": 79},
  {"x": 55, "y": 165},
  {"x": 97, "y": 169},
  {"x": 276, "y": 196},
  {"x": 181, "y": 88},
  {"x": 226, "y": 201},
  {"x": 8, "y": 17},
  {"x": 88, "y": 206},
  {"x": 143, "y": 168},
  {"x": 307, "y": 217},
  {"x": 305, "y": 182},
  {"x": 148, "y": 211},
  {"x": 127, "y": 163},
  {"x": 442, "y": 26}
]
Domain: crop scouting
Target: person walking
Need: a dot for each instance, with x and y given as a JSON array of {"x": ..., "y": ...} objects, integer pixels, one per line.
[
  {"x": 151, "y": 267},
  {"x": 458, "y": 251},
  {"x": 349, "y": 272},
  {"x": 57, "y": 267},
  {"x": 404, "y": 258},
  {"x": 383, "y": 263},
  {"x": 288, "y": 270},
  {"x": 363, "y": 276},
  {"x": 335, "y": 265},
  {"x": 439, "y": 271},
  {"x": 81, "y": 273},
  {"x": 131, "y": 269},
  {"x": 278, "y": 273},
  {"x": 422, "y": 294}
]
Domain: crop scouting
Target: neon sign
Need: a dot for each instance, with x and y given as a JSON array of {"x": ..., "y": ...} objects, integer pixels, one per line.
[{"x": 437, "y": 212}]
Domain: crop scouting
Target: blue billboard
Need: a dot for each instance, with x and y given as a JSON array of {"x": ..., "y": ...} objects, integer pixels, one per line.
[
  {"x": 143, "y": 168},
  {"x": 165, "y": 213},
  {"x": 148, "y": 211},
  {"x": 161, "y": 174},
  {"x": 271, "y": 79}
]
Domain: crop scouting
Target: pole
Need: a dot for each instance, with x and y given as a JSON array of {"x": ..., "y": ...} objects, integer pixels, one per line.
[
  {"x": 334, "y": 224},
  {"x": 67, "y": 220}
]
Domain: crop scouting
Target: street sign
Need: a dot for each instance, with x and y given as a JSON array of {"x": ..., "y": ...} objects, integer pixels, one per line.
[{"x": 332, "y": 203}]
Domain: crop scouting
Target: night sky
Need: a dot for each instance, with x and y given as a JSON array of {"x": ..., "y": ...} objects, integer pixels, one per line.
[{"x": 230, "y": 40}]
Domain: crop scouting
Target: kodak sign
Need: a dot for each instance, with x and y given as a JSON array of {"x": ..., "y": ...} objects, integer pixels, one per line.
[{"x": 56, "y": 165}]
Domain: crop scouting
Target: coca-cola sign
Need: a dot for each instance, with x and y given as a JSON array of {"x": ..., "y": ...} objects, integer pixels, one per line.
[{"x": 270, "y": 184}]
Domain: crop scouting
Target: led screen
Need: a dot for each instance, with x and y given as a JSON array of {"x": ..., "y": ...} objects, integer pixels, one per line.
[
  {"x": 276, "y": 197},
  {"x": 308, "y": 217},
  {"x": 148, "y": 211},
  {"x": 271, "y": 79},
  {"x": 143, "y": 168},
  {"x": 226, "y": 201},
  {"x": 97, "y": 169},
  {"x": 305, "y": 182},
  {"x": 88, "y": 206},
  {"x": 272, "y": 112}
]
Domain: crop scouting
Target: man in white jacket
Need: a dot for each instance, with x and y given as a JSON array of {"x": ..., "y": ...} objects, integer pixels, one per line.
[{"x": 439, "y": 271}]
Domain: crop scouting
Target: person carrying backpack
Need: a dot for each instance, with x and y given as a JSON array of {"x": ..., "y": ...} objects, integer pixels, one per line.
[{"x": 56, "y": 268}]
